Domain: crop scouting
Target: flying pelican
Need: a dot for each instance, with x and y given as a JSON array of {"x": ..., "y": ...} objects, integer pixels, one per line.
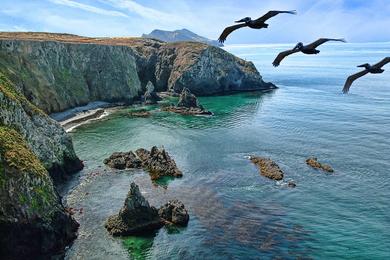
[
  {"x": 254, "y": 24},
  {"x": 306, "y": 49},
  {"x": 374, "y": 69}
]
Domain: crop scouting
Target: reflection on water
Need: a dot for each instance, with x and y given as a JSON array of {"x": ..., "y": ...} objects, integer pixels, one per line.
[{"x": 235, "y": 212}]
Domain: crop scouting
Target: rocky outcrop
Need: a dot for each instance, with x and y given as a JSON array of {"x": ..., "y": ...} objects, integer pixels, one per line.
[
  {"x": 44, "y": 136},
  {"x": 174, "y": 212},
  {"x": 150, "y": 96},
  {"x": 313, "y": 162},
  {"x": 135, "y": 217},
  {"x": 179, "y": 36},
  {"x": 59, "y": 71},
  {"x": 156, "y": 161},
  {"x": 140, "y": 113},
  {"x": 188, "y": 105},
  {"x": 268, "y": 168},
  {"x": 33, "y": 222}
]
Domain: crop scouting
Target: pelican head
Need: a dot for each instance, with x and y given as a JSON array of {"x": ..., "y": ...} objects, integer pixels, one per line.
[
  {"x": 365, "y": 65},
  {"x": 299, "y": 46},
  {"x": 244, "y": 20}
]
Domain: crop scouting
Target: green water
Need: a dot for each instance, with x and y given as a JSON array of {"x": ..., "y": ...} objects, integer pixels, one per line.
[{"x": 235, "y": 212}]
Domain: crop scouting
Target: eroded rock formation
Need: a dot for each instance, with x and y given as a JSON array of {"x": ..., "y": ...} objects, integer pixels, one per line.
[
  {"x": 313, "y": 162},
  {"x": 268, "y": 168}
]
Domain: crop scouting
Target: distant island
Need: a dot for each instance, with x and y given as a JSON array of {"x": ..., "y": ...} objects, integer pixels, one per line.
[{"x": 180, "y": 36}]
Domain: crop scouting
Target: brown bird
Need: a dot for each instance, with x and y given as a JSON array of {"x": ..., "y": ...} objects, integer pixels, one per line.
[
  {"x": 254, "y": 24},
  {"x": 306, "y": 49},
  {"x": 374, "y": 69}
]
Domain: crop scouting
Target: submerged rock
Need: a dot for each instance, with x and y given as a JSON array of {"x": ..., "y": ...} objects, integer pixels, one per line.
[
  {"x": 140, "y": 113},
  {"x": 156, "y": 161},
  {"x": 268, "y": 168},
  {"x": 188, "y": 105},
  {"x": 291, "y": 184},
  {"x": 174, "y": 212},
  {"x": 150, "y": 95},
  {"x": 135, "y": 217},
  {"x": 312, "y": 161}
]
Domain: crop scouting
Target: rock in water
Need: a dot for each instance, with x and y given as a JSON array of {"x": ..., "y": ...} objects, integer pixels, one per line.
[
  {"x": 312, "y": 161},
  {"x": 151, "y": 96},
  {"x": 187, "y": 99},
  {"x": 33, "y": 221},
  {"x": 188, "y": 105},
  {"x": 174, "y": 212},
  {"x": 120, "y": 160},
  {"x": 158, "y": 163},
  {"x": 268, "y": 168},
  {"x": 135, "y": 217}
]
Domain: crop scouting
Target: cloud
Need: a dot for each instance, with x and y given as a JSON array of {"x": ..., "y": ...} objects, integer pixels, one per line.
[{"x": 88, "y": 8}]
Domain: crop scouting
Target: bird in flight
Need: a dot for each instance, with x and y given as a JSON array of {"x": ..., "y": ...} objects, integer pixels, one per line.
[
  {"x": 374, "y": 69},
  {"x": 306, "y": 49},
  {"x": 254, "y": 24}
]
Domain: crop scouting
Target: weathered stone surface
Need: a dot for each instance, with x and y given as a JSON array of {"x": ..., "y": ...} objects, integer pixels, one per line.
[
  {"x": 158, "y": 163},
  {"x": 45, "y": 137},
  {"x": 187, "y": 99},
  {"x": 150, "y": 95},
  {"x": 313, "y": 162},
  {"x": 33, "y": 222},
  {"x": 59, "y": 71},
  {"x": 188, "y": 105},
  {"x": 120, "y": 160},
  {"x": 174, "y": 212},
  {"x": 268, "y": 168},
  {"x": 135, "y": 217},
  {"x": 140, "y": 113}
]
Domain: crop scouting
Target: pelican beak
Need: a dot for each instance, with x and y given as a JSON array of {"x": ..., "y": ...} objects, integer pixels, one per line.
[
  {"x": 240, "y": 21},
  {"x": 361, "y": 66}
]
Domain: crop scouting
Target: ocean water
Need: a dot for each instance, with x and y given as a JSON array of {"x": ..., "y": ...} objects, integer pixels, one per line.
[{"x": 235, "y": 213}]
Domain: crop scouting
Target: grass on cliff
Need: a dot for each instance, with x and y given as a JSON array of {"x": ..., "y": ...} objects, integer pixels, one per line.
[{"x": 9, "y": 90}]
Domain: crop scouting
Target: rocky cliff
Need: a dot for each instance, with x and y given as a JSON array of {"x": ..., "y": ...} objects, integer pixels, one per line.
[
  {"x": 33, "y": 222},
  {"x": 59, "y": 71}
]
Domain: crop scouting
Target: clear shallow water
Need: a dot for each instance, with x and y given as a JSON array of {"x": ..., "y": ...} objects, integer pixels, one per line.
[{"x": 235, "y": 212}]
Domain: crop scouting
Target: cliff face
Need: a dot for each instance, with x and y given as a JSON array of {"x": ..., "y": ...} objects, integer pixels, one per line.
[
  {"x": 44, "y": 136},
  {"x": 57, "y": 72},
  {"x": 33, "y": 222},
  {"x": 179, "y": 36}
]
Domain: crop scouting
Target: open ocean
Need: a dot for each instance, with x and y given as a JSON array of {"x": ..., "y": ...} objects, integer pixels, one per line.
[{"x": 235, "y": 213}]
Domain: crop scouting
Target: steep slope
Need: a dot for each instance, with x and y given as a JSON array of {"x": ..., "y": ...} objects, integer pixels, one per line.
[
  {"x": 59, "y": 71},
  {"x": 33, "y": 222}
]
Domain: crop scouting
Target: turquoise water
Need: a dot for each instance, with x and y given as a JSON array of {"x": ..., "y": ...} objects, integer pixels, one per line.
[{"x": 235, "y": 212}]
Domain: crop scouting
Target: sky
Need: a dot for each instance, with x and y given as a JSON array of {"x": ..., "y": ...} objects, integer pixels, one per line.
[{"x": 354, "y": 20}]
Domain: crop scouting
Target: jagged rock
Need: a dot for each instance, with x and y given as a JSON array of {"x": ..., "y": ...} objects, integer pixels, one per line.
[
  {"x": 140, "y": 113},
  {"x": 158, "y": 163},
  {"x": 187, "y": 99},
  {"x": 123, "y": 160},
  {"x": 174, "y": 212},
  {"x": 33, "y": 222},
  {"x": 312, "y": 161},
  {"x": 188, "y": 105},
  {"x": 150, "y": 95},
  {"x": 268, "y": 168},
  {"x": 135, "y": 217}
]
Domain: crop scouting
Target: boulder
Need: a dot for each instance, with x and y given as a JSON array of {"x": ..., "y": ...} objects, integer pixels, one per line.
[
  {"x": 187, "y": 99},
  {"x": 313, "y": 162},
  {"x": 123, "y": 160},
  {"x": 268, "y": 168},
  {"x": 135, "y": 217},
  {"x": 174, "y": 212},
  {"x": 158, "y": 163},
  {"x": 150, "y": 95}
]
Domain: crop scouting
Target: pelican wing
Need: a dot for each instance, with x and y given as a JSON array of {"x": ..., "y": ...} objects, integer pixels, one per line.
[
  {"x": 352, "y": 78},
  {"x": 271, "y": 14},
  {"x": 382, "y": 62},
  {"x": 282, "y": 55},
  {"x": 229, "y": 30},
  {"x": 320, "y": 41}
]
